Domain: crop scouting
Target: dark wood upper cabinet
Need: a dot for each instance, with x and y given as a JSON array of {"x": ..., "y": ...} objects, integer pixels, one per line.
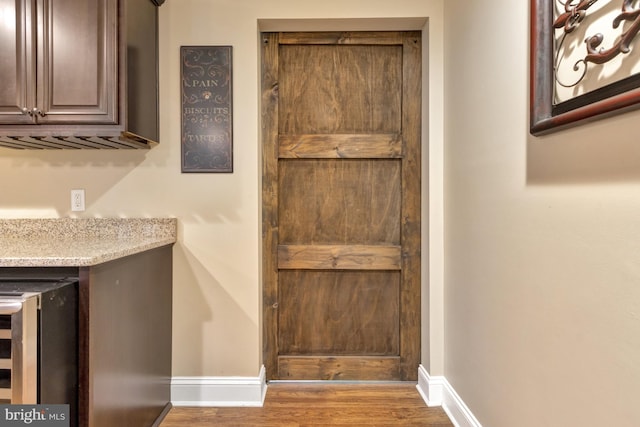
[
  {"x": 78, "y": 73},
  {"x": 17, "y": 90},
  {"x": 76, "y": 62}
]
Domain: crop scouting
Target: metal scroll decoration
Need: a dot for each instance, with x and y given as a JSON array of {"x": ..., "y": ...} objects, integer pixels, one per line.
[
  {"x": 583, "y": 63},
  {"x": 574, "y": 14},
  {"x": 207, "y": 141}
]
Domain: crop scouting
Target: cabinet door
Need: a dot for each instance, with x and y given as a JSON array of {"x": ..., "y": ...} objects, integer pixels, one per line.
[
  {"x": 77, "y": 62},
  {"x": 17, "y": 97}
]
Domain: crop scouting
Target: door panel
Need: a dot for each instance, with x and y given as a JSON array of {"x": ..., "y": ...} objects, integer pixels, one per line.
[
  {"x": 340, "y": 89},
  {"x": 321, "y": 309},
  {"x": 339, "y": 201},
  {"x": 341, "y": 205}
]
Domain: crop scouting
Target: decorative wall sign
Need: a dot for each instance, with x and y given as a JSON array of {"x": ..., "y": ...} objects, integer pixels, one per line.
[
  {"x": 207, "y": 141},
  {"x": 585, "y": 61}
]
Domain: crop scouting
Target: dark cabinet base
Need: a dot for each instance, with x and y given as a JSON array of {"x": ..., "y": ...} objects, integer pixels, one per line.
[{"x": 125, "y": 340}]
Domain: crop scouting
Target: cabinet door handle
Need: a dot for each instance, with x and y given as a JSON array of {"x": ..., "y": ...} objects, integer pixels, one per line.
[
  {"x": 38, "y": 112},
  {"x": 26, "y": 112}
]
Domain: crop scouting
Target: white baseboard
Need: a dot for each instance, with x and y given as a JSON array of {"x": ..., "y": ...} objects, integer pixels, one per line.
[
  {"x": 251, "y": 391},
  {"x": 219, "y": 391},
  {"x": 436, "y": 391}
]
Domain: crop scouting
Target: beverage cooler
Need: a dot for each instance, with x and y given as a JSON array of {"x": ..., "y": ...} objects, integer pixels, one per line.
[{"x": 39, "y": 341}]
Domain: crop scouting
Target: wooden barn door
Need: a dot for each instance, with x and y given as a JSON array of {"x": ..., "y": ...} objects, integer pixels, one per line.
[{"x": 341, "y": 205}]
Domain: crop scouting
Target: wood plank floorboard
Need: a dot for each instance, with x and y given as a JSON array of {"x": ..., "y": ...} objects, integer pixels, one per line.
[{"x": 314, "y": 404}]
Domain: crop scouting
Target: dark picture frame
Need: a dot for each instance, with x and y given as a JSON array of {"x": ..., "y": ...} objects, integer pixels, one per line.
[
  {"x": 207, "y": 108},
  {"x": 545, "y": 116}
]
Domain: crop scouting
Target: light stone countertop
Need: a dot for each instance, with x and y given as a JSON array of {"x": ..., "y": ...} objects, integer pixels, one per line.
[{"x": 69, "y": 242}]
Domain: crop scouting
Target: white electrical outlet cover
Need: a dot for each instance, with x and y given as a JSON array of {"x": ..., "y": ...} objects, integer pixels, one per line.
[{"x": 77, "y": 200}]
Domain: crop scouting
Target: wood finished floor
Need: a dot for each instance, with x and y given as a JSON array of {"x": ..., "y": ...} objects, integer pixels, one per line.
[{"x": 313, "y": 404}]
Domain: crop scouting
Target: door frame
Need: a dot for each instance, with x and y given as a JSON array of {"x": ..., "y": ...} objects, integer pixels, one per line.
[{"x": 269, "y": 132}]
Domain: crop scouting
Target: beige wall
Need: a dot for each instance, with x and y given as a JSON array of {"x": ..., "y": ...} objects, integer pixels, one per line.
[
  {"x": 217, "y": 293},
  {"x": 542, "y": 237}
]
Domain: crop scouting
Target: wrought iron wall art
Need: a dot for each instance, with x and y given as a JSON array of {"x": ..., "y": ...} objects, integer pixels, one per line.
[
  {"x": 207, "y": 140},
  {"x": 585, "y": 61}
]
